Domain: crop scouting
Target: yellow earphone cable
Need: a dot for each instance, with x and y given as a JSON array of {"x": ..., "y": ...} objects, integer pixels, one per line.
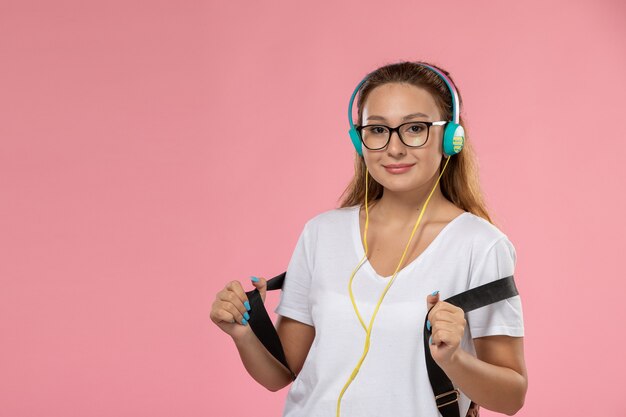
[
  {"x": 368, "y": 329},
  {"x": 367, "y": 217}
]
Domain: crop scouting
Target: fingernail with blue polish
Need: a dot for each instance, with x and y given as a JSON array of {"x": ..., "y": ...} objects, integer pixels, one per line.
[
  {"x": 246, "y": 304},
  {"x": 246, "y": 316},
  {"x": 430, "y": 341},
  {"x": 254, "y": 279},
  {"x": 244, "y": 321},
  {"x": 435, "y": 293},
  {"x": 428, "y": 324}
]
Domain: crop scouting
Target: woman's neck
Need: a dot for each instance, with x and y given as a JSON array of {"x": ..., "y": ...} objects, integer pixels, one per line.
[{"x": 402, "y": 209}]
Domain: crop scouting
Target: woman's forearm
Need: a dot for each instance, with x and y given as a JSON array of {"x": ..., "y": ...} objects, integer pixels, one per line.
[
  {"x": 260, "y": 364},
  {"x": 494, "y": 387}
]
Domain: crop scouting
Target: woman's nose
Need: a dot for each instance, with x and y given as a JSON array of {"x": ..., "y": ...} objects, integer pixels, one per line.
[{"x": 395, "y": 146}]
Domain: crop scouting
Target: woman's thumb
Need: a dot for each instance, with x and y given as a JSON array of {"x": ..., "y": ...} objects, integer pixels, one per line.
[
  {"x": 260, "y": 284},
  {"x": 432, "y": 299}
]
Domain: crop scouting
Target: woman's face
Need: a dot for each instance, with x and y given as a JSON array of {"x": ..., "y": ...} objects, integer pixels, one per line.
[{"x": 392, "y": 104}]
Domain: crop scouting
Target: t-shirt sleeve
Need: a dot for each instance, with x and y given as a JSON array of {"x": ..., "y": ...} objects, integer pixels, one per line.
[
  {"x": 294, "y": 297},
  {"x": 504, "y": 317}
]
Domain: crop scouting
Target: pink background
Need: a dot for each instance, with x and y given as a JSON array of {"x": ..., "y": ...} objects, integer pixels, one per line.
[{"x": 152, "y": 151}]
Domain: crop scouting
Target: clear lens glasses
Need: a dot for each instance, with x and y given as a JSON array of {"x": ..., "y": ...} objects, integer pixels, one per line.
[{"x": 413, "y": 134}]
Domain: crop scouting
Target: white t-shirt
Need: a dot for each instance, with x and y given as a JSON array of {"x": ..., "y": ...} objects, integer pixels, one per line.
[{"x": 393, "y": 381}]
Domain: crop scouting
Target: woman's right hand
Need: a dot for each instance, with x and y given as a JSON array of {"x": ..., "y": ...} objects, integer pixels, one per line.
[{"x": 230, "y": 310}]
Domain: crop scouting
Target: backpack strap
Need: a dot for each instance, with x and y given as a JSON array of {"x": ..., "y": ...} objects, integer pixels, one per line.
[
  {"x": 446, "y": 396},
  {"x": 262, "y": 325}
]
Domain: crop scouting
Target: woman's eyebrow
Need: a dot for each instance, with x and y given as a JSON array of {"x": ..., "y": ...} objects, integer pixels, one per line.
[{"x": 407, "y": 117}]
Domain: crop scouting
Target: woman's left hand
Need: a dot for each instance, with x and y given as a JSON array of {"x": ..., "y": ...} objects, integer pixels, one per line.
[{"x": 447, "y": 323}]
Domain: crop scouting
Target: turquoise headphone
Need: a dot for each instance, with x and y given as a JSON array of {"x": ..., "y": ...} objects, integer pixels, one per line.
[{"x": 453, "y": 135}]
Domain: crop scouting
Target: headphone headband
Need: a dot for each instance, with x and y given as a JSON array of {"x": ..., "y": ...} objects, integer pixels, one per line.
[
  {"x": 455, "y": 95},
  {"x": 354, "y": 93}
]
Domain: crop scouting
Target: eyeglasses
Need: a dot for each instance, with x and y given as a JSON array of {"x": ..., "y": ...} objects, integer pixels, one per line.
[{"x": 412, "y": 134}]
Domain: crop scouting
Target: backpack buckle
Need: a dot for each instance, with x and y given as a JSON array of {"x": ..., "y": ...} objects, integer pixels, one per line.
[{"x": 454, "y": 392}]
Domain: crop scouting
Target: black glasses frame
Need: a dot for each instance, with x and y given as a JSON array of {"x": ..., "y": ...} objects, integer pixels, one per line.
[{"x": 397, "y": 130}]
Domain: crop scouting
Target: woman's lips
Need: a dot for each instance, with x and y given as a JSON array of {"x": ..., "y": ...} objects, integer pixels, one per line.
[{"x": 398, "y": 168}]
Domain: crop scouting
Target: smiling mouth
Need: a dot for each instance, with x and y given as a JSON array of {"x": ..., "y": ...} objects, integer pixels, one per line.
[
  {"x": 398, "y": 169},
  {"x": 398, "y": 166}
]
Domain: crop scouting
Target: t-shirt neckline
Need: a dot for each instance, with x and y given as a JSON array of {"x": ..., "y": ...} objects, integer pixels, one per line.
[{"x": 360, "y": 250}]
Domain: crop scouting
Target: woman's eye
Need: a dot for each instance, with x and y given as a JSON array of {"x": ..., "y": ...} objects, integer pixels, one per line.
[
  {"x": 378, "y": 130},
  {"x": 416, "y": 128}
]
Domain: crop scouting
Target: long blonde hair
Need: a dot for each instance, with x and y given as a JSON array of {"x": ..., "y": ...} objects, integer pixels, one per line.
[{"x": 459, "y": 183}]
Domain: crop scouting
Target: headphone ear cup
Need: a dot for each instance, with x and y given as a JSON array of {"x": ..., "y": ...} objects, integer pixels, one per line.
[
  {"x": 453, "y": 138},
  {"x": 356, "y": 140}
]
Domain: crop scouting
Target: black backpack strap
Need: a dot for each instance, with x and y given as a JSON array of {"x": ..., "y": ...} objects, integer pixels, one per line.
[
  {"x": 262, "y": 325},
  {"x": 446, "y": 396}
]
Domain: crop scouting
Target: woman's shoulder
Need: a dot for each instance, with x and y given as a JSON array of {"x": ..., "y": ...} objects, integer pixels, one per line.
[
  {"x": 479, "y": 230},
  {"x": 334, "y": 216},
  {"x": 329, "y": 226}
]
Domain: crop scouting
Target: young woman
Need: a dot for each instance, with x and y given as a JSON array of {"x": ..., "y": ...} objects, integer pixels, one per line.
[{"x": 414, "y": 216}]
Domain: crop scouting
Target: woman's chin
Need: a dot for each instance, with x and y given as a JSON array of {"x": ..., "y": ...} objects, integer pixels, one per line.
[{"x": 399, "y": 188}]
